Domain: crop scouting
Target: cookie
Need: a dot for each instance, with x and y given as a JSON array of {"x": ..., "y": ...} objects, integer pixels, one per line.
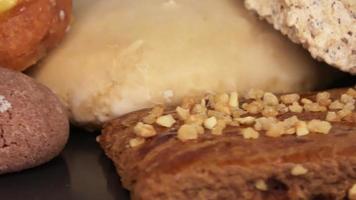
[
  {"x": 34, "y": 127},
  {"x": 326, "y": 28}
]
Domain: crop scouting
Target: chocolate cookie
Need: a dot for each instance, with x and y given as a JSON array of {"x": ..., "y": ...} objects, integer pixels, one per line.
[{"x": 34, "y": 127}]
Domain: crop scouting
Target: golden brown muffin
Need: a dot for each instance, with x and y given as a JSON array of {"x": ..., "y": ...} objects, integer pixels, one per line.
[{"x": 31, "y": 28}]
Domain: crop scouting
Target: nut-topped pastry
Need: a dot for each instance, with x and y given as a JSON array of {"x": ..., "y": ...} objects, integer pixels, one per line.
[{"x": 234, "y": 146}]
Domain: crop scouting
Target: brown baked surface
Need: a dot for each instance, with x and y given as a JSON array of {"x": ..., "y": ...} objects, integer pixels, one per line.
[
  {"x": 228, "y": 166},
  {"x": 30, "y": 29},
  {"x": 34, "y": 128}
]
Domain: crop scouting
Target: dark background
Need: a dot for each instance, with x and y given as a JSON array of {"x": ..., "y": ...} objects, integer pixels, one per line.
[{"x": 81, "y": 172}]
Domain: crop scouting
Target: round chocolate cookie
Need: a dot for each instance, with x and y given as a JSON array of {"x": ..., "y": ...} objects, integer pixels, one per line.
[{"x": 34, "y": 126}]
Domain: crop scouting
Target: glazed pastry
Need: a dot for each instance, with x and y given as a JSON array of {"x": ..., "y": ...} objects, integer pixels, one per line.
[
  {"x": 140, "y": 53},
  {"x": 34, "y": 126},
  {"x": 326, "y": 28},
  {"x": 29, "y": 29},
  {"x": 260, "y": 146}
]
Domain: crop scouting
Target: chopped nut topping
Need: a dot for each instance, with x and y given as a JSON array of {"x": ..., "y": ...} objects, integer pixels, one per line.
[
  {"x": 306, "y": 101},
  {"x": 166, "y": 121},
  {"x": 188, "y": 132},
  {"x": 282, "y": 108},
  {"x": 323, "y": 98},
  {"x": 234, "y": 100},
  {"x": 290, "y": 98},
  {"x": 156, "y": 112},
  {"x": 250, "y": 133},
  {"x": 264, "y": 123},
  {"x": 144, "y": 130},
  {"x": 343, "y": 113},
  {"x": 210, "y": 123},
  {"x": 336, "y": 105},
  {"x": 351, "y": 92},
  {"x": 199, "y": 109},
  {"x": 270, "y": 99},
  {"x": 299, "y": 170},
  {"x": 246, "y": 120},
  {"x": 196, "y": 119},
  {"x": 261, "y": 185},
  {"x": 345, "y": 98},
  {"x": 219, "y": 128},
  {"x": 222, "y": 108},
  {"x": 290, "y": 125},
  {"x": 352, "y": 192},
  {"x": 296, "y": 107},
  {"x": 183, "y": 114},
  {"x": 302, "y": 128},
  {"x": 238, "y": 112},
  {"x": 254, "y": 107},
  {"x": 319, "y": 126},
  {"x": 270, "y": 111},
  {"x": 135, "y": 142},
  {"x": 276, "y": 130},
  {"x": 215, "y": 112},
  {"x": 254, "y": 94},
  {"x": 314, "y": 107},
  {"x": 349, "y": 106},
  {"x": 332, "y": 117}
]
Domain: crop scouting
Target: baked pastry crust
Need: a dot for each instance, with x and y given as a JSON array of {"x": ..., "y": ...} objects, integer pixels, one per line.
[
  {"x": 228, "y": 166},
  {"x": 326, "y": 28},
  {"x": 31, "y": 29}
]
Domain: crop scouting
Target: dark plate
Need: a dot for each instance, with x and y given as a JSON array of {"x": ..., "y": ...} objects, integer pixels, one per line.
[{"x": 81, "y": 172}]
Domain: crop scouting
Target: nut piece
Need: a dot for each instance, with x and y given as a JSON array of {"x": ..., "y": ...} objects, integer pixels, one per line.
[
  {"x": 219, "y": 128},
  {"x": 332, "y": 117},
  {"x": 296, "y": 107},
  {"x": 183, "y": 113},
  {"x": 250, "y": 133},
  {"x": 254, "y": 107},
  {"x": 345, "y": 98},
  {"x": 298, "y": 170},
  {"x": 264, "y": 123},
  {"x": 144, "y": 130},
  {"x": 188, "y": 132},
  {"x": 302, "y": 128},
  {"x": 290, "y": 98},
  {"x": 336, "y": 105},
  {"x": 246, "y": 120},
  {"x": 254, "y": 94},
  {"x": 352, "y": 192},
  {"x": 166, "y": 121},
  {"x": 314, "y": 107},
  {"x": 319, "y": 126},
  {"x": 323, "y": 98},
  {"x": 261, "y": 185},
  {"x": 270, "y": 111},
  {"x": 234, "y": 100},
  {"x": 270, "y": 99},
  {"x": 306, "y": 101},
  {"x": 210, "y": 122},
  {"x": 156, "y": 112},
  {"x": 276, "y": 130},
  {"x": 135, "y": 142},
  {"x": 351, "y": 92}
]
